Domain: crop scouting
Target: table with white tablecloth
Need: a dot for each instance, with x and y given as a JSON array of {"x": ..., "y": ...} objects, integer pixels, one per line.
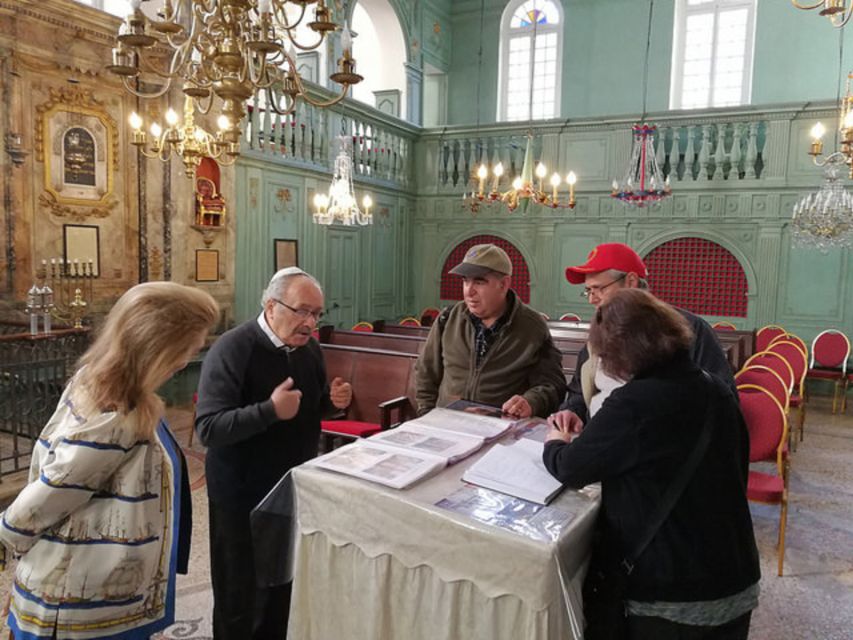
[{"x": 373, "y": 563}]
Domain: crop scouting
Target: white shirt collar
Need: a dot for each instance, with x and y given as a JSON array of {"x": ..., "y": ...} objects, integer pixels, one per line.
[{"x": 265, "y": 327}]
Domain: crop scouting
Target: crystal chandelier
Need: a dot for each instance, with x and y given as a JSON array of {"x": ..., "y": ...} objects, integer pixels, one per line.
[
  {"x": 340, "y": 205},
  {"x": 824, "y": 219},
  {"x": 188, "y": 141},
  {"x": 231, "y": 49},
  {"x": 837, "y": 11},
  {"x": 644, "y": 183},
  {"x": 524, "y": 188}
]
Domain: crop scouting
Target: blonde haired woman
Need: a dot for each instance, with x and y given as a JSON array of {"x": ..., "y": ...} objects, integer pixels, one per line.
[{"x": 100, "y": 523}]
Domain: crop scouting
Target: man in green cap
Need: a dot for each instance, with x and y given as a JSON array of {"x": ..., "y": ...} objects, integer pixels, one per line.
[{"x": 490, "y": 348}]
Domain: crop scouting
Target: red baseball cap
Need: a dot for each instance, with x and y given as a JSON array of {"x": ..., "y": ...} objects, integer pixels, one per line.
[{"x": 610, "y": 255}]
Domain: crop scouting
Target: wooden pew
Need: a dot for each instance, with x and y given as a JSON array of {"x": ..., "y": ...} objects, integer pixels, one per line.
[
  {"x": 401, "y": 329},
  {"x": 382, "y": 382},
  {"x": 370, "y": 340}
]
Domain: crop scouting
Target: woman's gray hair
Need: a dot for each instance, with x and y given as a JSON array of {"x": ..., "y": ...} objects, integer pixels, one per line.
[{"x": 281, "y": 281}]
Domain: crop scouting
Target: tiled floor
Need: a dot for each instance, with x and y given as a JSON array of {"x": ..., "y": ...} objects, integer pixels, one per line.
[{"x": 814, "y": 599}]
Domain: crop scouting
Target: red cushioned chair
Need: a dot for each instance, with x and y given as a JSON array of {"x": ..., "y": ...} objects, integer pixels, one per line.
[
  {"x": 765, "y": 334},
  {"x": 830, "y": 350},
  {"x": 768, "y": 437},
  {"x": 362, "y": 326},
  {"x": 410, "y": 321},
  {"x": 722, "y": 325},
  {"x": 428, "y": 316},
  {"x": 792, "y": 337},
  {"x": 570, "y": 317},
  {"x": 766, "y": 378},
  {"x": 792, "y": 352},
  {"x": 775, "y": 362}
]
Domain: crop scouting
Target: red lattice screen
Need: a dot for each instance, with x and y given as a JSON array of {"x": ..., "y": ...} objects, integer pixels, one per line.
[
  {"x": 698, "y": 275},
  {"x": 451, "y": 285}
]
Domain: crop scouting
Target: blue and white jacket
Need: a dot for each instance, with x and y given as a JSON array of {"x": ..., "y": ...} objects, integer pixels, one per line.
[{"x": 97, "y": 528}]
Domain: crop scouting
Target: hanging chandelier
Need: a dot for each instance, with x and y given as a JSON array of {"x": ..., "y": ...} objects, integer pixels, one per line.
[
  {"x": 643, "y": 184},
  {"x": 230, "y": 49},
  {"x": 524, "y": 189},
  {"x": 838, "y": 11},
  {"x": 188, "y": 141},
  {"x": 824, "y": 219},
  {"x": 340, "y": 204}
]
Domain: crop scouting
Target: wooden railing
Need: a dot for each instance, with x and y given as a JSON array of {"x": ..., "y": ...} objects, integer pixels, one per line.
[
  {"x": 382, "y": 146},
  {"x": 737, "y": 146}
]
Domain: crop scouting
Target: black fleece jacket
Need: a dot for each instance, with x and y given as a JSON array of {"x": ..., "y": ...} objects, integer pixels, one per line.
[
  {"x": 635, "y": 446},
  {"x": 248, "y": 448}
]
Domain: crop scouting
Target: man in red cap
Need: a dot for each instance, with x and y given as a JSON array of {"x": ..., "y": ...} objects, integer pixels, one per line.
[{"x": 609, "y": 267}]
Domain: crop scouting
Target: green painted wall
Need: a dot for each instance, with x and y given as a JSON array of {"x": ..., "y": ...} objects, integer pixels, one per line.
[
  {"x": 795, "y": 59},
  {"x": 393, "y": 268}
]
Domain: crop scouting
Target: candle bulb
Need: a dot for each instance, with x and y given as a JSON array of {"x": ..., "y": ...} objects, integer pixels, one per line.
[
  {"x": 571, "y": 179},
  {"x": 541, "y": 171},
  {"x": 498, "y": 172},
  {"x": 555, "y": 182},
  {"x": 482, "y": 172}
]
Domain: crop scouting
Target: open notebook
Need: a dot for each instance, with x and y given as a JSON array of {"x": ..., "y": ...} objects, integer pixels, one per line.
[{"x": 515, "y": 469}]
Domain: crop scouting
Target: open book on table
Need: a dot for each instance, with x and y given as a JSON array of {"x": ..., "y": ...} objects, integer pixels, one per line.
[
  {"x": 399, "y": 457},
  {"x": 391, "y": 466},
  {"x": 515, "y": 469}
]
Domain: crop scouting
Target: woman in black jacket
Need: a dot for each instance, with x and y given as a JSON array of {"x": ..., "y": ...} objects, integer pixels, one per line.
[{"x": 698, "y": 577}]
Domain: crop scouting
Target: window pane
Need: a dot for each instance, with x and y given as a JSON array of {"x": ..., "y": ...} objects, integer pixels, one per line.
[
  {"x": 119, "y": 8},
  {"x": 535, "y": 13},
  {"x": 716, "y": 49}
]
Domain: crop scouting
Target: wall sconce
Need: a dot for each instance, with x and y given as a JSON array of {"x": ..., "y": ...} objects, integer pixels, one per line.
[{"x": 14, "y": 148}]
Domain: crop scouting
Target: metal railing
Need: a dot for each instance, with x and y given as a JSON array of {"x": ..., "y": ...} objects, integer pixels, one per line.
[{"x": 33, "y": 373}]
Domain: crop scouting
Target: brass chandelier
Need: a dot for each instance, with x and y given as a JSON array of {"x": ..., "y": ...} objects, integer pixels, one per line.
[
  {"x": 838, "y": 11},
  {"x": 228, "y": 49}
]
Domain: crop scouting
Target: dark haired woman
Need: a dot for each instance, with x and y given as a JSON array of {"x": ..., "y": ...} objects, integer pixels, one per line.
[{"x": 698, "y": 576}]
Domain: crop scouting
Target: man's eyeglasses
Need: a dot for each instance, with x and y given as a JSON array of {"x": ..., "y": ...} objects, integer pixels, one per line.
[
  {"x": 302, "y": 313},
  {"x": 597, "y": 289}
]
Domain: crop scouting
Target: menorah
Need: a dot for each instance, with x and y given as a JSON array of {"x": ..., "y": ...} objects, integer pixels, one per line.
[{"x": 63, "y": 290}]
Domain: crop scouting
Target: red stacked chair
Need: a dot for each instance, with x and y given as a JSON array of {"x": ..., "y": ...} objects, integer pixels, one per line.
[
  {"x": 570, "y": 317},
  {"x": 362, "y": 326},
  {"x": 428, "y": 315},
  {"x": 830, "y": 350},
  {"x": 795, "y": 357},
  {"x": 792, "y": 337},
  {"x": 724, "y": 326},
  {"x": 768, "y": 436},
  {"x": 765, "y": 335},
  {"x": 766, "y": 378},
  {"x": 410, "y": 321},
  {"x": 775, "y": 362}
]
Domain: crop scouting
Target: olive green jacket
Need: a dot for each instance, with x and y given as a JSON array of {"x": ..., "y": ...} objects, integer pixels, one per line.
[{"x": 522, "y": 361}]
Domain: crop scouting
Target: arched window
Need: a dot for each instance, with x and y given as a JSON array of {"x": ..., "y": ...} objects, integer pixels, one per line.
[
  {"x": 712, "y": 53},
  {"x": 531, "y": 53},
  {"x": 380, "y": 53},
  {"x": 451, "y": 285},
  {"x": 698, "y": 275}
]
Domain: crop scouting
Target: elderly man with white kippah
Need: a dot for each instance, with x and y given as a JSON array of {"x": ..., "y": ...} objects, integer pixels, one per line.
[
  {"x": 261, "y": 396},
  {"x": 491, "y": 347}
]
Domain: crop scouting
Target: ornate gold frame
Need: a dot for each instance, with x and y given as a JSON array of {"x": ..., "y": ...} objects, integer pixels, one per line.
[{"x": 87, "y": 110}]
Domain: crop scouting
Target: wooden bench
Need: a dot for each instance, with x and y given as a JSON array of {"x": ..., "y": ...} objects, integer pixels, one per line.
[
  {"x": 370, "y": 340},
  {"x": 382, "y": 382}
]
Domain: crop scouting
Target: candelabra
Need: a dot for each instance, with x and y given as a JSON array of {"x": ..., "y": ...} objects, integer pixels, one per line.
[
  {"x": 340, "y": 205},
  {"x": 524, "y": 188},
  {"x": 230, "y": 49},
  {"x": 66, "y": 290},
  {"x": 189, "y": 142}
]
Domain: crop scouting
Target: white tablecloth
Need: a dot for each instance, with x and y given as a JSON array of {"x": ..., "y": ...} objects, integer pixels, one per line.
[{"x": 373, "y": 563}]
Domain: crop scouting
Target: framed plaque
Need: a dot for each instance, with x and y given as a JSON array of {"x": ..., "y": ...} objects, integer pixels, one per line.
[
  {"x": 81, "y": 246},
  {"x": 206, "y": 265},
  {"x": 286, "y": 253}
]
